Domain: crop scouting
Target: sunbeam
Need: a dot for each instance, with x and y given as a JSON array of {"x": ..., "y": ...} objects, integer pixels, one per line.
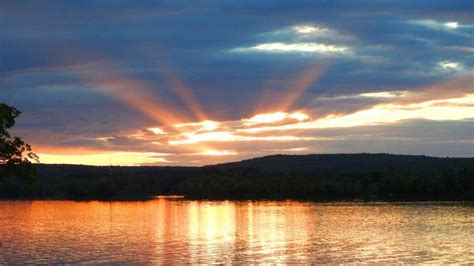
[{"x": 275, "y": 101}]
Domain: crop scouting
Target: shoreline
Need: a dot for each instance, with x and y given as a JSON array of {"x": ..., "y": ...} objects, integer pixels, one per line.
[{"x": 236, "y": 199}]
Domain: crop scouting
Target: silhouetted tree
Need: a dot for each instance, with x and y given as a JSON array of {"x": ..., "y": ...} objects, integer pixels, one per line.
[{"x": 15, "y": 154}]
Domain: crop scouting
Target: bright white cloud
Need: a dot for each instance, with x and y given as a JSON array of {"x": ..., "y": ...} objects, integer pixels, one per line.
[
  {"x": 209, "y": 125},
  {"x": 156, "y": 130},
  {"x": 266, "y": 118},
  {"x": 380, "y": 94},
  {"x": 305, "y": 47},
  {"x": 302, "y": 31},
  {"x": 452, "y": 25},
  {"x": 384, "y": 94},
  {"x": 206, "y": 125},
  {"x": 300, "y": 39},
  {"x": 274, "y": 117},
  {"x": 298, "y": 116},
  {"x": 217, "y": 152},
  {"x": 450, "y": 66},
  {"x": 305, "y": 29},
  {"x": 437, "y": 25}
]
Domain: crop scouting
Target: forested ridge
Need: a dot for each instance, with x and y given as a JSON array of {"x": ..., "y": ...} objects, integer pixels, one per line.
[{"x": 311, "y": 177}]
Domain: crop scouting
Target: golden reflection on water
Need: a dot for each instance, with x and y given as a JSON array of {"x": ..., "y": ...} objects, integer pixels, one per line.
[{"x": 170, "y": 231}]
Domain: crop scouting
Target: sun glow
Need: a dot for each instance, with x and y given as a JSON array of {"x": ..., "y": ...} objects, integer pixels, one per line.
[
  {"x": 156, "y": 130},
  {"x": 266, "y": 118},
  {"x": 218, "y": 153},
  {"x": 274, "y": 117},
  {"x": 206, "y": 125},
  {"x": 104, "y": 159},
  {"x": 450, "y": 109},
  {"x": 193, "y": 137},
  {"x": 209, "y": 125},
  {"x": 299, "y": 116}
]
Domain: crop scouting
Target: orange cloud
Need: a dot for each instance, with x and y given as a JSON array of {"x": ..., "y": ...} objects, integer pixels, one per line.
[
  {"x": 385, "y": 113},
  {"x": 65, "y": 150}
]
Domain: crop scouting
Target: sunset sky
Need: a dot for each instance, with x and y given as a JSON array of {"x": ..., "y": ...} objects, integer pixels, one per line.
[{"x": 175, "y": 83}]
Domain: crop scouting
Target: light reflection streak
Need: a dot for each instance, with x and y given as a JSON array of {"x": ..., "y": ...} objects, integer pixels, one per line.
[{"x": 170, "y": 232}]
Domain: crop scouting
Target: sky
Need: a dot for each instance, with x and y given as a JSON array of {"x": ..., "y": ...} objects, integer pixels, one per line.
[{"x": 203, "y": 82}]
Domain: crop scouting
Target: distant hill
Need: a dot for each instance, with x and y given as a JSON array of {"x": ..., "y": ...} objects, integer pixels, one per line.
[
  {"x": 304, "y": 164},
  {"x": 348, "y": 163}
]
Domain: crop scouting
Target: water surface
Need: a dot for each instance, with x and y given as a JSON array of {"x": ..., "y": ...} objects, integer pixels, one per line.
[{"x": 177, "y": 231}]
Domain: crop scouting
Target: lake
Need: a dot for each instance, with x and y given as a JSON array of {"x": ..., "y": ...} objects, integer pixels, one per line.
[{"x": 170, "y": 231}]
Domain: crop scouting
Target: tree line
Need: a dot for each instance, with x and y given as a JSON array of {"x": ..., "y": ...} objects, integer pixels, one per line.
[{"x": 455, "y": 183}]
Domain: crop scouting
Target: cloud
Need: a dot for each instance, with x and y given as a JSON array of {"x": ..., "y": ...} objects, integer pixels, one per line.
[
  {"x": 156, "y": 130},
  {"x": 384, "y": 94},
  {"x": 466, "y": 49},
  {"x": 306, "y": 39},
  {"x": 217, "y": 153},
  {"x": 296, "y": 47},
  {"x": 439, "y": 25},
  {"x": 269, "y": 118},
  {"x": 309, "y": 29},
  {"x": 451, "y": 66}
]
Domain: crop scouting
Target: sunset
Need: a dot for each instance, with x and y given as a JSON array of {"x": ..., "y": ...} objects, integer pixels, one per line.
[
  {"x": 307, "y": 79},
  {"x": 319, "y": 101}
]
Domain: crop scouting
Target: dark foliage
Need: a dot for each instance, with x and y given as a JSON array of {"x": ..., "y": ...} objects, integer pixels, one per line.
[
  {"x": 16, "y": 171},
  {"x": 338, "y": 176},
  {"x": 312, "y": 177}
]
